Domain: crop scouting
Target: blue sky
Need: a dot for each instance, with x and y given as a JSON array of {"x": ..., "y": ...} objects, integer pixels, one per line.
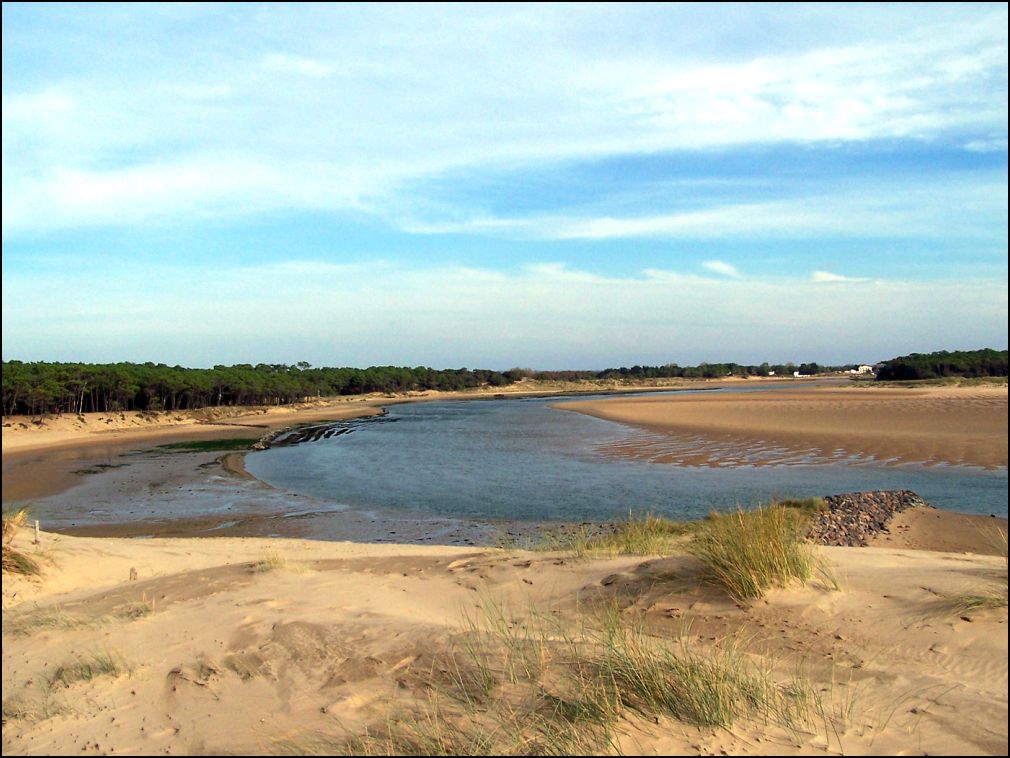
[{"x": 552, "y": 186}]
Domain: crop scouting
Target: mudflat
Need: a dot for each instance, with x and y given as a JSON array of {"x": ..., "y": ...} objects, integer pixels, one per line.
[{"x": 930, "y": 425}]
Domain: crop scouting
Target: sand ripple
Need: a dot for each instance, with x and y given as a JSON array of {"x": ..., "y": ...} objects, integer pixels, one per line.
[{"x": 933, "y": 426}]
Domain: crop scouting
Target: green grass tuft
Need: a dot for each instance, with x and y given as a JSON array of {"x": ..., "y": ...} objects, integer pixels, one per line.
[
  {"x": 995, "y": 598},
  {"x": 84, "y": 670},
  {"x": 807, "y": 505},
  {"x": 748, "y": 552}
]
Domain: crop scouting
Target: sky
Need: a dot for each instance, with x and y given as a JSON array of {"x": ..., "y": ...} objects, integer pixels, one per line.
[{"x": 552, "y": 186}]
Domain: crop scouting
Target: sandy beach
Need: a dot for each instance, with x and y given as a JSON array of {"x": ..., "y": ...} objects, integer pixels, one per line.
[
  {"x": 930, "y": 425},
  {"x": 312, "y": 642}
]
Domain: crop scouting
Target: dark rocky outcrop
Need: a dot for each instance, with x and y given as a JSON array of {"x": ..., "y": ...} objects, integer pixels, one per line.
[{"x": 853, "y": 518}]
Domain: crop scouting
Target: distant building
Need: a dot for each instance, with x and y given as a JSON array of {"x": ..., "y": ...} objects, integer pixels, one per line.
[{"x": 861, "y": 370}]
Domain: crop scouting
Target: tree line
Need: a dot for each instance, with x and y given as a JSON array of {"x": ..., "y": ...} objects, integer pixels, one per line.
[
  {"x": 35, "y": 388},
  {"x": 966, "y": 363}
]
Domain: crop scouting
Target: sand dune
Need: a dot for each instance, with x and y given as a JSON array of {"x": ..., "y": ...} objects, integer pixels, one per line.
[
  {"x": 249, "y": 645},
  {"x": 936, "y": 425}
]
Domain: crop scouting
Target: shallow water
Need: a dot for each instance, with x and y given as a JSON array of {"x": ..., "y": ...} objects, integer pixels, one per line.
[{"x": 522, "y": 460}]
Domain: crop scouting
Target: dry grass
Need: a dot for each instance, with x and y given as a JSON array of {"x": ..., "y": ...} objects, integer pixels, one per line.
[
  {"x": 270, "y": 561},
  {"x": 15, "y": 561},
  {"x": 103, "y": 663},
  {"x": 22, "y": 624},
  {"x": 976, "y": 601},
  {"x": 748, "y": 552},
  {"x": 41, "y": 700},
  {"x": 535, "y": 685},
  {"x": 637, "y": 535}
]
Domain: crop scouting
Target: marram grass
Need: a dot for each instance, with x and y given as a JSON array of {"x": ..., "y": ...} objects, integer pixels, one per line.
[
  {"x": 15, "y": 561},
  {"x": 749, "y": 552}
]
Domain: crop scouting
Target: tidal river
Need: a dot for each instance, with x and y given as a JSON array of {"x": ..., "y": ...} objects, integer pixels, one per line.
[{"x": 523, "y": 460}]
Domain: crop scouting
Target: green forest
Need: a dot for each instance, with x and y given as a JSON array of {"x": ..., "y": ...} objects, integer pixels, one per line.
[
  {"x": 966, "y": 363},
  {"x": 40, "y": 387}
]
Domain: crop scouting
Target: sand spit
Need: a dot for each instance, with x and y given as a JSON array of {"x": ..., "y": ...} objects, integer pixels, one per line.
[
  {"x": 931, "y": 425},
  {"x": 260, "y": 646}
]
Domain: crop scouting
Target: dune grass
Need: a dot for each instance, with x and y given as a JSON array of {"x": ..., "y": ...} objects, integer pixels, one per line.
[
  {"x": 16, "y": 561},
  {"x": 809, "y": 505},
  {"x": 748, "y": 552},
  {"x": 977, "y": 601},
  {"x": 18, "y": 623},
  {"x": 644, "y": 534},
  {"x": 103, "y": 663},
  {"x": 271, "y": 561},
  {"x": 992, "y": 597},
  {"x": 39, "y": 700},
  {"x": 534, "y": 684}
]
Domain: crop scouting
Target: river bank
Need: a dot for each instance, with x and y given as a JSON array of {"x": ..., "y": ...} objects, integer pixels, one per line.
[{"x": 41, "y": 456}]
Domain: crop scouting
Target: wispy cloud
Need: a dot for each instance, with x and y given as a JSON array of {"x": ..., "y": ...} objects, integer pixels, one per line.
[
  {"x": 965, "y": 205},
  {"x": 826, "y": 277},
  {"x": 721, "y": 267},
  {"x": 548, "y": 316},
  {"x": 403, "y": 95}
]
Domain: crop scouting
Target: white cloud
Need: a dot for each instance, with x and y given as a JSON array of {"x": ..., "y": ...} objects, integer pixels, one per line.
[
  {"x": 965, "y": 206},
  {"x": 373, "y": 98},
  {"x": 721, "y": 267},
  {"x": 546, "y": 316},
  {"x": 995, "y": 145},
  {"x": 826, "y": 277}
]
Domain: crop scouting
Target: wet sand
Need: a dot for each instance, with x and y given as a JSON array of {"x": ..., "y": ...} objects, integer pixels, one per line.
[
  {"x": 48, "y": 462},
  {"x": 932, "y": 426}
]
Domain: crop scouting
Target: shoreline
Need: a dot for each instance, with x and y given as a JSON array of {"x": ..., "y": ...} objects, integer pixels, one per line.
[
  {"x": 41, "y": 462},
  {"x": 122, "y": 489}
]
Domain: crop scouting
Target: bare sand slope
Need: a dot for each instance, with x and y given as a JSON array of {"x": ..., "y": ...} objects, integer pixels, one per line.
[
  {"x": 953, "y": 425},
  {"x": 42, "y": 461},
  {"x": 22, "y": 434},
  {"x": 246, "y": 645}
]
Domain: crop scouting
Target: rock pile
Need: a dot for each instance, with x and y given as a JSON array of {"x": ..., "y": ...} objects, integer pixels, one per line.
[{"x": 854, "y": 517}]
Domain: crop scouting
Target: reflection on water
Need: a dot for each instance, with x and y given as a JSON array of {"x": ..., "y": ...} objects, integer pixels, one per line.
[{"x": 520, "y": 459}]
